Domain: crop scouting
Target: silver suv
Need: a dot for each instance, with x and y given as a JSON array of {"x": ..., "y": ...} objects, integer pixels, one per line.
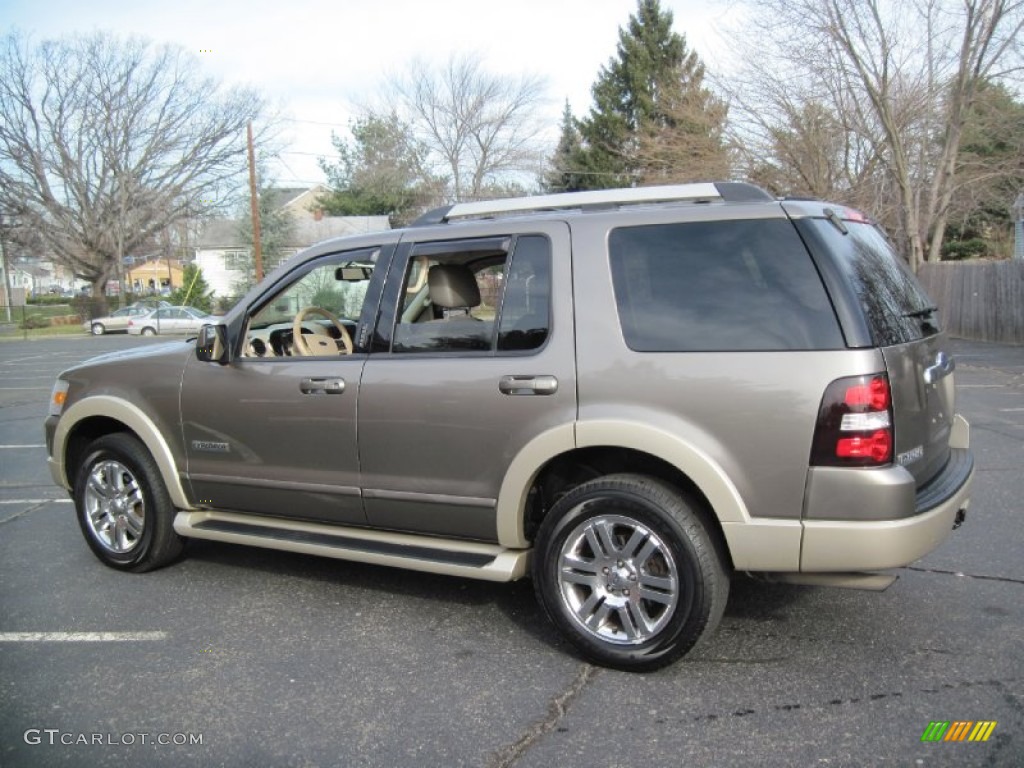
[{"x": 627, "y": 395}]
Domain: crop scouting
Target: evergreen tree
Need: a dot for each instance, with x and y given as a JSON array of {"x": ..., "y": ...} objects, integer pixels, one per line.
[
  {"x": 194, "y": 290},
  {"x": 380, "y": 172},
  {"x": 652, "y": 114},
  {"x": 560, "y": 176}
]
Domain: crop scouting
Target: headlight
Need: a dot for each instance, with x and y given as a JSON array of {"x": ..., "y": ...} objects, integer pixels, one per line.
[{"x": 60, "y": 394}]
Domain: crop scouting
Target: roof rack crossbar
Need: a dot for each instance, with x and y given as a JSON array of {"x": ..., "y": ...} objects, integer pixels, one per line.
[{"x": 598, "y": 197}]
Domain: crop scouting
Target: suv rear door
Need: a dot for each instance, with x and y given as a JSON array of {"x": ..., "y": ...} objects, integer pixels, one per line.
[
  {"x": 901, "y": 320},
  {"x": 450, "y": 397}
]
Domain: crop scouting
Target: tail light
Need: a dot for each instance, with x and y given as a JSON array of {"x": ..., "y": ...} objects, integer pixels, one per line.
[{"x": 854, "y": 427}]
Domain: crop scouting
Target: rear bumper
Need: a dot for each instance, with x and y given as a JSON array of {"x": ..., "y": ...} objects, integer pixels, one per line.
[{"x": 869, "y": 545}]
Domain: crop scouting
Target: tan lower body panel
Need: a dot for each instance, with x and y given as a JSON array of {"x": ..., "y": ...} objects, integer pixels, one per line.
[
  {"x": 450, "y": 557},
  {"x": 876, "y": 545}
]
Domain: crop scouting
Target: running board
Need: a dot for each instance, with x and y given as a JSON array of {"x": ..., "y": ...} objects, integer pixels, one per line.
[{"x": 451, "y": 557}]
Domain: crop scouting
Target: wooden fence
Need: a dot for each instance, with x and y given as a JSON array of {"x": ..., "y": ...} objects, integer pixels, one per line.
[{"x": 979, "y": 300}]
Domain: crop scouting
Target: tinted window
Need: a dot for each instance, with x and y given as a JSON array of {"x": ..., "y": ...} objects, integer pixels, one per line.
[
  {"x": 725, "y": 285},
  {"x": 894, "y": 303}
]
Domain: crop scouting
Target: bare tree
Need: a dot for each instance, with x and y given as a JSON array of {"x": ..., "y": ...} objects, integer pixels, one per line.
[
  {"x": 480, "y": 129},
  {"x": 900, "y": 78},
  {"x": 105, "y": 144}
]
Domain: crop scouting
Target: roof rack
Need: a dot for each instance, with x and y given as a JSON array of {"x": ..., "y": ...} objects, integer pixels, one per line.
[{"x": 600, "y": 198}]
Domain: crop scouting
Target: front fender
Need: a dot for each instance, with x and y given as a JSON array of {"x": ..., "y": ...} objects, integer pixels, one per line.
[{"x": 136, "y": 421}]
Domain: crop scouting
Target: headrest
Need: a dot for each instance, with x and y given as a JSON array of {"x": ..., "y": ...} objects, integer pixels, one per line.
[{"x": 453, "y": 285}]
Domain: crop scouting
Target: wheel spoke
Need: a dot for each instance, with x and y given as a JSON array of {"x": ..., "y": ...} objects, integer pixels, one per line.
[
  {"x": 118, "y": 538},
  {"x": 134, "y": 524},
  {"x": 598, "y": 617},
  {"x": 630, "y": 547},
  {"x": 648, "y": 549},
  {"x": 133, "y": 495},
  {"x": 666, "y": 598},
  {"x": 573, "y": 577},
  {"x": 576, "y": 563},
  {"x": 595, "y": 545},
  {"x": 634, "y": 623},
  {"x": 657, "y": 582},
  {"x": 604, "y": 532},
  {"x": 97, "y": 483}
]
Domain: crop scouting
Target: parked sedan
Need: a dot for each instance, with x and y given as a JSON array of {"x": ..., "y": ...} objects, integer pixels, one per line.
[
  {"x": 168, "y": 320},
  {"x": 115, "y": 322}
]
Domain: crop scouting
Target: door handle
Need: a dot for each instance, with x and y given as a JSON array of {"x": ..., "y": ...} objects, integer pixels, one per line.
[
  {"x": 528, "y": 385},
  {"x": 322, "y": 386}
]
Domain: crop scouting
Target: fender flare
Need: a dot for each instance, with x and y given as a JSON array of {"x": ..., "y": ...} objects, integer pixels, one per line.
[
  {"x": 136, "y": 420},
  {"x": 727, "y": 504}
]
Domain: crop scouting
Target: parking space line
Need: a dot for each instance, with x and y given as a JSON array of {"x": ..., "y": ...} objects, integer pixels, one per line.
[
  {"x": 43, "y": 445},
  {"x": 80, "y": 637},
  {"x": 35, "y": 501}
]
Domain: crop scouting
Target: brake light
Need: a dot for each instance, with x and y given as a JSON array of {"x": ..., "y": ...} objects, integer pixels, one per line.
[
  {"x": 855, "y": 424},
  {"x": 852, "y": 214}
]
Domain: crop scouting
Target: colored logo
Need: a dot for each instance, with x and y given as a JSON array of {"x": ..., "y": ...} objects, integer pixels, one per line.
[{"x": 959, "y": 730}]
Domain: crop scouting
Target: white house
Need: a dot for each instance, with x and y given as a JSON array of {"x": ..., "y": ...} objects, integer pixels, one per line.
[{"x": 223, "y": 255}]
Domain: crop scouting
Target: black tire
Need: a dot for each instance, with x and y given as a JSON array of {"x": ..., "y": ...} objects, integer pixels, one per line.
[
  {"x": 652, "y": 588},
  {"x": 98, "y": 329},
  {"x": 125, "y": 512},
  {"x": 147, "y": 331}
]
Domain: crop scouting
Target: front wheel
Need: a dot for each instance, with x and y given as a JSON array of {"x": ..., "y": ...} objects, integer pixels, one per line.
[
  {"x": 123, "y": 507},
  {"x": 98, "y": 329},
  {"x": 627, "y": 570}
]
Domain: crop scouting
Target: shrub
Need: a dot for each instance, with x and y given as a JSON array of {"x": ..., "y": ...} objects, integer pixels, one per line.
[
  {"x": 954, "y": 250},
  {"x": 34, "y": 321}
]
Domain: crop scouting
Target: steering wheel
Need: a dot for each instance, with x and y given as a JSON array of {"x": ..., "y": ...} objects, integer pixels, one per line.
[{"x": 314, "y": 344}]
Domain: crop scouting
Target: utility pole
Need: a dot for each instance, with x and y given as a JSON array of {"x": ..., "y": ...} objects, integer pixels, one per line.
[
  {"x": 1018, "y": 227},
  {"x": 6, "y": 269},
  {"x": 254, "y": 207}
]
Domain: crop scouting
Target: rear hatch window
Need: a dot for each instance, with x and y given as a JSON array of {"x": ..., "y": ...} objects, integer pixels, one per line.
[
  {"x": 903, "y": 322},
  {"x": 895, "y": 305}
]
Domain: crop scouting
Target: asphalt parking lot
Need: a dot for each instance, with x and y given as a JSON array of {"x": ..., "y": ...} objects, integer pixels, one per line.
[{"x": 246, "y": 657}]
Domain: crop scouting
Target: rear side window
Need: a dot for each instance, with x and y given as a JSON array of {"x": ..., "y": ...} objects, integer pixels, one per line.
[
  {"x": 894, "y": 303},
  {"x": 721, "y": 285}
]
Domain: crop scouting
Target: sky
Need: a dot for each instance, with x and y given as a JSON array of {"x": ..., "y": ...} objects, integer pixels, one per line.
[{"x": 315, "y": 61}]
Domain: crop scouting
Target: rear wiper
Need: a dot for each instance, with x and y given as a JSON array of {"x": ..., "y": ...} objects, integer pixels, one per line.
[{"x": 921, "y": 312}]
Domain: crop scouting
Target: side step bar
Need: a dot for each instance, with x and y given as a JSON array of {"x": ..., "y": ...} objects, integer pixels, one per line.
[{"x": 451, "y": 557}]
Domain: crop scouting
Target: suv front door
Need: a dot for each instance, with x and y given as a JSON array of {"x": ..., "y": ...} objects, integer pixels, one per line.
[
  {"x": 274, "y": 431},
  {"x": 469, "y": 365}
]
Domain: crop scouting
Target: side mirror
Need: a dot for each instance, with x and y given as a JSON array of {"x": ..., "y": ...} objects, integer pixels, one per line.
[{"x": 212, "y": 344}]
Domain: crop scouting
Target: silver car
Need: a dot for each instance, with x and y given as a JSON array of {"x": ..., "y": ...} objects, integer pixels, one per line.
[
  {"x": 630, "y": 396},
  {"x": 168, "y": 320},
  {"x": 115, "y": 322}
]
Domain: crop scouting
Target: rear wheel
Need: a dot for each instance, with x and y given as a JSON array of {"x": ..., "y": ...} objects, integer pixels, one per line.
[
  {"x": 123, "y": 507},
  {"x": 626, "y": 569},
  {"x": 149, "y": 331}
]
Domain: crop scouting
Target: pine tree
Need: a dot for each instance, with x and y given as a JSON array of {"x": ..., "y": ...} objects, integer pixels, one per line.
[
  {"x": 560, "y": 176},
  {"x": 651, "y": 113},
  {"x": 194, "y": 290}
]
